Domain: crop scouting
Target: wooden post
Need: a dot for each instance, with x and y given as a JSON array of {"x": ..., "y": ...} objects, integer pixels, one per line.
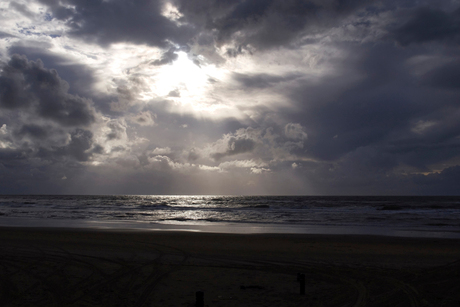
[
  {"x": 199, "y": 299},
  {"x": 302, "y": 284}
]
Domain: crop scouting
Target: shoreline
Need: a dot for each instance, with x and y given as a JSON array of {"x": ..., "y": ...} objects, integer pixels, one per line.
[{"x": 230, "y": 228}]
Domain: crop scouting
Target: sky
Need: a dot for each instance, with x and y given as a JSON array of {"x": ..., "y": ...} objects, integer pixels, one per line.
[{"x": 246, "y": 97}]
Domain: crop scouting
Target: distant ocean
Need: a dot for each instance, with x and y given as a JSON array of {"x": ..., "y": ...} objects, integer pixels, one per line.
[{"x": 388, "y": 215}]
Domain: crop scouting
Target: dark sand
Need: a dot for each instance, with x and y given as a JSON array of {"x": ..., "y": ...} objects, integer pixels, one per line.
[{"x": 70, "y": 267}]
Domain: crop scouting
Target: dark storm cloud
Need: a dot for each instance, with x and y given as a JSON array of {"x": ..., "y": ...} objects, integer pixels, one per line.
[
  {"x": 79, "y": 148},
  {"x": 446, "y": 76},
  {"x": 429, "y": 24},
  {"x": 11, "y": 157},
  {"x": 107, "y": 22},
  {"x": 377, "y": 108},
  {"x": 80, "y": 77},
  {"x": 29, "y": 85},
  {"x": 80, "y": 143},
  {"x": 36, "y": 151},
  {"x": 262, "y": 23},
  {"x": 32, "y": 176},
  {"x": 44, "y": 130},
  {"x": 367, "y": 170},
  {"x": 388, "y": 109},
  {"x": 443, "y": 183},
  {"x": 35, "y": 131},
  {"x": 340, "y": 117}
]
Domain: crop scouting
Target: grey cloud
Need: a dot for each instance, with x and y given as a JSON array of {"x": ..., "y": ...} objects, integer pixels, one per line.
[
  {"x": 374, "y": 119},
  {"x": 239, "y": 145},
  {"x": 27, "y": 84},
  {"x": 380, "y": 110},
  {"x": 34, "y": 131},
  {"x": 97, "y": 149},
  {"x": 11, "y": 91},
  {"x": 295, "y": 131},
  {"x": 117, "y": 130},
  {"x": 80, "y": 143},
  {"x": 192, "y": 155},
  {"x": 143, "y": 159},
  {"x": 79, "y": 148},
  {"x": 167, "y": 58},
  {"x": 43, "y": 144},
  {"x": 21, "y": 8},
  {"x": 109, "y": 22},
  {"x": 118, "y": 149},
  {"x": 70, "y": 111},
  {"x": 367, "y": 170},
  {"x": 144, "y": 119},
  {"x": 264, "y": 24},
  {"x": 261, "y": 81},
  {"x": 81, "y": 77},
  {"x": 5, "y": 135},
  {"x": 235, "y": 146},
  {"x": 447, "y": 76},
  {"x": 174, "y": 93},
  {"x": 12, "y": 157},
  {"x": 30, "y": 176},
  {"x": 4, "y": 35},
  {"x": 429, "y": 24},
  {"x": 46, "y": 129},
  {"x": 443, "y": 183},
  {"x": 422, "y": 153},
  {"x": 234, "y": 52}
]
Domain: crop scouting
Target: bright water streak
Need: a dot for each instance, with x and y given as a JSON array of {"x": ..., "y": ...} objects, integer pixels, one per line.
[{"x": 441, "y": 214}]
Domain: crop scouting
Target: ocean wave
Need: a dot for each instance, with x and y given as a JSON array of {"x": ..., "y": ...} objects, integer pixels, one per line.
[
  {"x": 298, "y": 210},
  {"x": 157, "y": 205},
  {"x": 255, "y": 207},
  {"x": 438, "y": 224},
  {"x": 391, "y": 208},
  {"x": 179, "y": 219},
  {"x": 295, "y": 221},
  {"x": 215, "y": 220},
  {"x": 185, "y": 219}
]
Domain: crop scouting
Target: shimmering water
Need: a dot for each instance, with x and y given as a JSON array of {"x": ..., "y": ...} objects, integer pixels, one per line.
[{"x": 302, "y": 213}]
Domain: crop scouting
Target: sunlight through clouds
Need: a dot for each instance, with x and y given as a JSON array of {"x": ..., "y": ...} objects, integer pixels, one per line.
[
  {"x": 331, "y": 93},
  {"x": 187, "y": 81}
]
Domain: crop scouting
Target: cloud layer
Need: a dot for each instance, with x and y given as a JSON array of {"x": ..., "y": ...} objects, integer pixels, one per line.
[{"x": 230, "y": 97}]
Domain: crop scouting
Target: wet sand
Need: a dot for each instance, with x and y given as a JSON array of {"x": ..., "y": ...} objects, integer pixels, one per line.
[{"x": 89, "y": 267}]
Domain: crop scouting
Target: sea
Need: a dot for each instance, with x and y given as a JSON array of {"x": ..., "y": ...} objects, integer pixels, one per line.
[{"x": 403, "y": 216}]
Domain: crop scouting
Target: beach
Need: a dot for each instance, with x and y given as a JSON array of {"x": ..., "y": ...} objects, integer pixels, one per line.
[{"x": 108, "y": 267}]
